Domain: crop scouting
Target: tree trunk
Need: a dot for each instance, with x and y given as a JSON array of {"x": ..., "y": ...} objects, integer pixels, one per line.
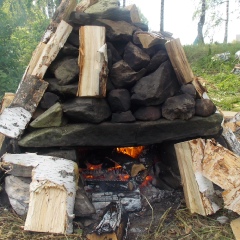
[
  {"x": 162, "y": 16},
  {"x": 200, "y": 39},
  {"x": 124, "y": 3},
  {"x": 226, "y": 22}
]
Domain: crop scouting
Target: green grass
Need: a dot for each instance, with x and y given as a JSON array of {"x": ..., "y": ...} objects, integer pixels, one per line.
[{"x": 223, "y": 86}]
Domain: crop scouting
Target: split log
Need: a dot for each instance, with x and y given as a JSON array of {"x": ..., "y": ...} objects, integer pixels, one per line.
[
  {"x": 231, "y": 139},
  {"x": 112, "y": 226},
  {"x": 134, "y": 13},
  {"x": 198, "y": 190},
  {"x": 92, "y": 62},
  {"x": 149, "y": 39},
  {"x": 15, "y": 118},
  {"x": 52, "y": 192},
  {"x": 235, "y": 225},
  {"x": 179, "y": 61},
  {"x": 201, "y": 90},
  {"x": 222, "y": 167}
]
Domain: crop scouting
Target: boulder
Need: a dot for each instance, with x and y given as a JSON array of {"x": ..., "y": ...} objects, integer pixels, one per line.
[
  {"x": 189, "y": 89},
  {"x": 204, "y": 107},
  {"x": 123, "y": 117},
  {"x": 150, "y": 113},
  {"x": 160, "y": 57},
  {"x": 48, "y": 100}
]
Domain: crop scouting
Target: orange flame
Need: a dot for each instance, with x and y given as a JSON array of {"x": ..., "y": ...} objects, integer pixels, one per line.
[
  {"x": 131, "y": 151},
  {"x": 147, "y": 180}
]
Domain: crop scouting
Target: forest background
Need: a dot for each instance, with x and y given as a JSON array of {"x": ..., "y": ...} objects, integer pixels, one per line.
[{"x": 23, "y": 23}]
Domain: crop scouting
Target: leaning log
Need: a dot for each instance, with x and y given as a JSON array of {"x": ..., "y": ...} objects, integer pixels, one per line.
[
  {"x": 198, "y": 190},
  {"x": 52, "y": 192},
  {"x": 179, "y": 61},
  {"x": 92, "y": 62}
]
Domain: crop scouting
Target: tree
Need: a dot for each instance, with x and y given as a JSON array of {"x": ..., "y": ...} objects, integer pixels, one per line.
[
  {"x": 226, "y": 22},
  {"x": 162, "y": 16},
  {"x": 200, "y": 39}
]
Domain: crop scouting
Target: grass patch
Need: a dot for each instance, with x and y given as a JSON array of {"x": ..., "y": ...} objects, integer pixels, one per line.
[{"x": 223, "y": 86}]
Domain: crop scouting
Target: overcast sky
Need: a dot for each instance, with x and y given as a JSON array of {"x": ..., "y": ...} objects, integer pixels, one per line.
[{"x": 178, "y": 19}]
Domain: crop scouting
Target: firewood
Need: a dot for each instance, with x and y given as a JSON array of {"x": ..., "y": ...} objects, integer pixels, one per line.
[
  {"x": 235, "y": 225},
  {"x": 83, "y": 5},
  {"x": 135, "y": 17},
  {"x": 198, "y": 190},
  {"x": 92, "y": 62},
  {"x": 112, "y": 226},
  {"x": 179, "y": 61},
  {"x": 15, "y": 118},
  {"x": 52, "y": 192}
]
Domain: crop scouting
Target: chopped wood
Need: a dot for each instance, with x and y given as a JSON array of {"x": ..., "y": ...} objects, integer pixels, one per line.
[
  {"x": 134, "y": 13},
  {"x": 51, "y": 49},
  {"x": 85, "y": 4},
  {"x": 235, "y": 225},
  {"x": 62, "y": 13},
  {"x": 52, "y": 192},
  {"x": 198, "y": 190},
  {"x": 201, "y": 90},
  {"x": 92, "y": 62},
  {"x": 231, "y": 140},
  {"x": 179, "y": 61},
  {"x": 150, "y": 39},
  {"x": 112, "y": 225},
  {"x": 15, "y": 118}
]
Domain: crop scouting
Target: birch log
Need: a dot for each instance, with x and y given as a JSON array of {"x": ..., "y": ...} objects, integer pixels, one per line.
[
  {"x": 52, "y": 192},
  {"x": 179, "y": 61},
  {"x": 92, "y": 62},
  {"x": 198, "y": 190}
]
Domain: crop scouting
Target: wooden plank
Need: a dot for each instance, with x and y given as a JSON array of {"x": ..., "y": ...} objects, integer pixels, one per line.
[
  {"x": 198, "y": 190},
  {"x": 179, "y": 61},
  {"x": 52, "y": 191},
  {"x": 92, "y": 62},
  {"x": 235, "y": 225}
]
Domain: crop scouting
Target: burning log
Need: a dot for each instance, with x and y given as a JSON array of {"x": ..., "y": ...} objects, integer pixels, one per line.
[
  {"x": 52, "y": 192},
  {"x": 93, "y": 62},
  {"x": 179, "y": 61},
  {"x": 198, "y": 190},
  {"x": 112, "y": 226}
]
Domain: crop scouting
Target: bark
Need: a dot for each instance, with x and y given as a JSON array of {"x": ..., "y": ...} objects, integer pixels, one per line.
[
  {"x": 162, "y": 17},
  {"x": 226, "y": 22},
  {"x": 200, "y": 38}
]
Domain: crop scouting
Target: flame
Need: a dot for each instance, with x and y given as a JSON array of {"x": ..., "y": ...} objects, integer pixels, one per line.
[
  {"x": 147, "y": 180},
  {"x": 131, "y": 151},
  {"x": 94, "y": 167}
]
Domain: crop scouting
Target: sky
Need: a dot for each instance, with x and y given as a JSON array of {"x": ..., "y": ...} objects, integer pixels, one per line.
[{"x": 178, "y": 20}]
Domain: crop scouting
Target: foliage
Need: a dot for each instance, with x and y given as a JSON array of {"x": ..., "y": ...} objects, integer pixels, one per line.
[{"x": 223, "y": 86}]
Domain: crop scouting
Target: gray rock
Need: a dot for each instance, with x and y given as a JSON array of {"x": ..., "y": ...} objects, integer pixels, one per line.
[
  {"x": 124, "y": 134},
  {"x": 123, "y": 76},
  {"x": 123, "y": 117},
  {"x": 48, "y": 100},
  {"x": 119, "y": 100},
  {"x": 189, "y": 89},
  {"x": 102, "y": 5},
  {"x": 135, "y": 57},
  {"x": 53, "y": 117},
  {"x": 179, "y": 107},
  {"x": 204, "y": 107},
  {"x": 150, "y": 113},
  {"x": 155, "y": 88},
  {"x": 160, "y": 57},
  {"x": 92, "y": 110}
]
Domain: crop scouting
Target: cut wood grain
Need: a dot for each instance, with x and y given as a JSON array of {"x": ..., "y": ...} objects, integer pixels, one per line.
[
  {"x": 52, "y": 191},
  {"x": 85, "y": 4},
  {"x": 198, "y": 190},
  {"x": 134, "y": 13},
  {"x": 92, "y": 62},
  {"x": 179, "y": 61},
  {"x": 235, "y": 225},
  {"x": 150, "y": 39}
]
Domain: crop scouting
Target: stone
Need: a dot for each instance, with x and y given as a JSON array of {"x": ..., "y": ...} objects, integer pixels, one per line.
[
  {"x": 189, "y": 89},
  {"x": 92, "y": 110},
  {"x": 179, "y": 107},
  {"x": 123, "y": 117},
  {"x": 115, "y": 55},
  {"x": 118, "y": 30},
  {"x": 156, "y": 87},
  {"x": 150, "y": 113},
  {"x": 135, "y": 57},
  {"x": 52, "y": 117},
  {"x": 122, "y": 75},
  {"x": 119, "y": 100},
  {"x": 66, "y": 90},
  {"x": 83, "y": 206},
  {"x": 17, "y": 189},
  {"x": 124, "y": 134},
  {"x": 69, "y": 50},
  {"x": 67, "y": 71},
  {"x": 204, "y": 107},
  {"x": 160, "y": 57},
  {"x": 73, "y": 39},
  {"x": 48, "y": 100},
  {"x": 102, "y": 5}
]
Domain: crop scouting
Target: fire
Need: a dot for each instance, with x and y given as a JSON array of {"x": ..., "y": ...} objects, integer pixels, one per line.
[
  {"x": 131, "y": 151},
  {"x": 147, "y": 180}
]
